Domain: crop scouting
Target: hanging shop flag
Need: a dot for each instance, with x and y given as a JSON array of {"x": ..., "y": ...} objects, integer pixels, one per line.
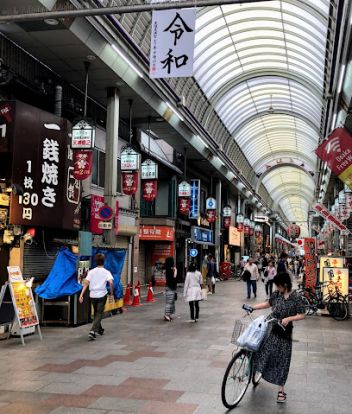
[
  {"x": 210, "y": 207},
  {"x": 251, "y": 228},
  {"x": 226, "y": 213},
  {"x": 258, "y": 229},
  {"x": 310, "y": 262},
  {"x": 211, "y": 216},
  {"x": 129, "y": 159},
  {"x": 150, "y": 189},
  {"x": 172, "y": 43},
  {"x": 184, "y": 204},
  {"x": 336, "y": 151},
  {"x": 129, "y": 182},
  {"x": 83, "y": 162},
  {"x": 246, "y": 224},
  {"x": 227, "y": 222},
  {"x": 323, "y": 211},
  {"x": 239, "y": 222},
  {"x": 82, "y": 135}
]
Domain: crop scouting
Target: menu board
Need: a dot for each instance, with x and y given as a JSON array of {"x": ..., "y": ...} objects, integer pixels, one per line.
[
  {"x": 335, "y": 277},
  {"x": 22, "y": 298},
  {"x": 329, "y": 261}
]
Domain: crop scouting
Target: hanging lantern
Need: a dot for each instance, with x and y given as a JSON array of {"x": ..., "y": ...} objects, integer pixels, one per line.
[
  {"x": 246, "y": 224},
  {"x": 239, "y": 222},
  {"x": 211, "y": 216},
  {"x": 82, "y": 164},
  {"x": 294, "y": 231},
  {"x": 251, "y": 228},
  {"x": 129, "y": 182},
  {"x": 150, "y": 190},
  {"x": 258, "y": 230},
  {"x": 184, "y": 204}
]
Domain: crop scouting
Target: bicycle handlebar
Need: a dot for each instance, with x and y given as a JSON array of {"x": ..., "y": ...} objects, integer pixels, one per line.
[{"x": 249, "y": 309}]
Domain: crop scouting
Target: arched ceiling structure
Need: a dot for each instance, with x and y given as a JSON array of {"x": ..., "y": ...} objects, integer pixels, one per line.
[{"x": 263, "y": 66}]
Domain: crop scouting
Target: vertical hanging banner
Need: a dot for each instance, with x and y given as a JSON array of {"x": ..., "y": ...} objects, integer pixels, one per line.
[
  {"x": 172, "y": 43},
  {"x": 83, "y": 162},
  {"x": 149, "y": 175},
  {"x": 150, "y": 190},
  {"x": 130, "y": 182},
  {"x": 309, "y": 261},
  {"x": 195, "y": 199},
  {"x": 336, "y": 151}
]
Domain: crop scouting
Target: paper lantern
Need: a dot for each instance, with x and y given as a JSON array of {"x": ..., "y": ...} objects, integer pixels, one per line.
[{"x": 239, "y": 222}]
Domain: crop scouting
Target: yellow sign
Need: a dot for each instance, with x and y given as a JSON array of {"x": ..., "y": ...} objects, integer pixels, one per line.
[
  {"x": 22, "y": 298},
  {"x": 234, "y": 236},
  {"x": 336, "y": 279},
  {"x": 329, "y": 261}
]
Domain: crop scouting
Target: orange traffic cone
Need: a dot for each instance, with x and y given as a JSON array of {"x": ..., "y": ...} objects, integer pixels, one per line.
[
  {"x": 150, "y": 297},
  {"x": 127, "y": 298},
  {"x": 136, "y": 300}
]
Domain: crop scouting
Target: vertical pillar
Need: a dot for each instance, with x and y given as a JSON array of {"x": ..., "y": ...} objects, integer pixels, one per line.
[
  {"x": 218, "y": 223},
  {"x": 254, "y": 246},
  {"x": 111, "y": 152}
]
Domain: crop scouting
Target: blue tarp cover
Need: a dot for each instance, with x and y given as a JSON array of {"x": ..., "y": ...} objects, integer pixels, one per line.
[
  {"x": 62, "y": 279},
  {"x": 114, "y": 260}
]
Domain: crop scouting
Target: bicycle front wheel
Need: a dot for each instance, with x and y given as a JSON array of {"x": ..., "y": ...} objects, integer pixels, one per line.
[
  {"x": 337, "y": 307},
  {"x": 236, "y": 379}
]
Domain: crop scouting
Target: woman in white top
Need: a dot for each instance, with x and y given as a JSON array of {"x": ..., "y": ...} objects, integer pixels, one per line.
[{"x": 192, "y": 291}]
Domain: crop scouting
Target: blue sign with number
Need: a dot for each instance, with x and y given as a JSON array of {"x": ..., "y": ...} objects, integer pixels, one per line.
[{"x": 193, "y": 252}]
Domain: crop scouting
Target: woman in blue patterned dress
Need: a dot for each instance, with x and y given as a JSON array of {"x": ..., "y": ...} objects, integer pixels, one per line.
[{"x": 274, "y": 357}]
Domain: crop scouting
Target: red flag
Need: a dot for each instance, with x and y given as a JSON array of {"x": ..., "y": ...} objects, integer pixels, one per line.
[
  {"x": 83, "y": 162},
  {"x": 227, "y": 222},
  {"x": 211, "y": 216},
  {"x": 150, "y": 189},
  {"x": 184, "y": 204},
  {"x": 129, "y": 182}
]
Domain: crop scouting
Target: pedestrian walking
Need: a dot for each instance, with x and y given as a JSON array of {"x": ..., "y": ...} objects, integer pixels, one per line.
[
  {"x": 211, "y": 274},
  {"x": 96, "y": 281},
  {"x": 192, "y": 291},
  {"x": 274, "y": 357},
  {"x": 171, "y": 288},
  {"x": 271, "y": 273},
  {"x": 252, "y": 281},
  {"x": 282, "y": 263}
]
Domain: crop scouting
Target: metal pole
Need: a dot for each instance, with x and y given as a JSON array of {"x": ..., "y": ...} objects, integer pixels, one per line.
[
  {"x": 111, "y": 152},
  {"x": 104, "y": 11},
  {"x": 218, "y": 223},
  {"x": 86, "y": 66}
]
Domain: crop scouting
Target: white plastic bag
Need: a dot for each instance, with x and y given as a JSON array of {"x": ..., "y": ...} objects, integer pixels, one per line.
[{"x": 254, "y": 335}]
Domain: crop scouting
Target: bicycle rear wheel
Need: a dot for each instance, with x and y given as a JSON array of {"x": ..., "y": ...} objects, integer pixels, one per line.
[
  {"x": 309, "y": 310},
  {"x": 338, "y": 308},
  {"x": 236, "y": 379}
]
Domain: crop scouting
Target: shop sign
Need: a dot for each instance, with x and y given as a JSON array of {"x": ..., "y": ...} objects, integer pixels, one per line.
[
  {"x": 172, "y": 43},
  {"x": 83, "y": 135},
  {"x": 130, "y": 182},
  {"x": 7, "y": 115},
  {"x": 96, "y": 202},
  {"x": 210, "y": 203},
  {"x": 184, "y": 205},
  {"x": 329, "y": 261},
  {"x": 195, "y": 199},
  {"x": 42, "y": 164},
  {"x": 105, "y": 225},
  {"x": 149, "y": 190},
  {"x": 129, "y": 159},
  {"x": 83, "y": 163},
  {"x": 149, "y": 170},
  {"x": 337, "y": 153},
  {"x": 184, "y": 189},
  {"x": 335, "y": 277},
  {"x": 310, "y": 261},
  {"x": 324, "y": 212},
  {"x": 234, "y": 236},
  {"x": 200, "y": 235},
  {"x": 156, "y": 233}
]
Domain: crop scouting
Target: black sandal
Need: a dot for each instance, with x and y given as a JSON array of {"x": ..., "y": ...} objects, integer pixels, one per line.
[{"x": 281, "y": 397}]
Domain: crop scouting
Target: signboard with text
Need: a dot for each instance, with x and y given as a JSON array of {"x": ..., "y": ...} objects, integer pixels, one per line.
[
  {"x": 310, "y": 261},
  {"x": 195, "y": 200},
  {"x": 156, "y": 233},
  {"x": 83, "y": 135}
]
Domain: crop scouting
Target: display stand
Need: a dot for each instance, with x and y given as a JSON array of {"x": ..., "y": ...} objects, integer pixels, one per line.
[{"x": 26, "y": 315}]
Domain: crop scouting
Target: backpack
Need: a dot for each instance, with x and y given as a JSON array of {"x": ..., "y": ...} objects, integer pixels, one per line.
[{"x": 246, "y": 275}]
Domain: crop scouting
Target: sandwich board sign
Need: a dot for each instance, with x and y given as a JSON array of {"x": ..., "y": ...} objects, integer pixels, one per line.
[{"x": 23, "y": 302}]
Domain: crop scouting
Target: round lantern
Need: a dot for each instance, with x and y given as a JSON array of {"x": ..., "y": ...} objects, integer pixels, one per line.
[
  {"x": 239, "y": 222},
  {"x": 184, "y": 204},
  {"x": 294, "y": 231},
  {"x": 150, "y": 190},
  {"x": 129, "y": 182},
  {"x": 246, "y": 225}
]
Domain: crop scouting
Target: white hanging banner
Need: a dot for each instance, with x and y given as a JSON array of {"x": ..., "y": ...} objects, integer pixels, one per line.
[{"x": 172, "y": 43}]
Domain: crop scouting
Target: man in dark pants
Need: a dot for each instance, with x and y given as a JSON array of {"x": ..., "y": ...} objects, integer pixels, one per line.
[
  {"x": 96, "y": 280},
  {"x": 211, "y": 274}
]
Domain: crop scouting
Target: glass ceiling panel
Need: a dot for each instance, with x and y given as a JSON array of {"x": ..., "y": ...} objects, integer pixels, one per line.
[{"x": 262, "y": 65}]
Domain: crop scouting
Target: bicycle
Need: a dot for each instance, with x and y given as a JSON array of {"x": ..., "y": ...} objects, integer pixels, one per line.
[
  {"x": 334, "y": 302},
  {"x": 240, "y": 370}
]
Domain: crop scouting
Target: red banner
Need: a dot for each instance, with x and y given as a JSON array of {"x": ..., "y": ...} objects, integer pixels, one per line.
[
  {"x": 83, "y": 163},
  {"x": 129, "y": 182},
  {"x": 227, "y": 222},
  {"x": 336, "y": 151},
  {"x": 96, "y": 202},
  {"x": 310, "y": 262},
  {"x": 150, "y": 189},
  {"x": 184, "y": 204},
  {"x": 324, "y": 212},
  {"x": 211, "y": 216},
  {"x": 156, "y": 233}
]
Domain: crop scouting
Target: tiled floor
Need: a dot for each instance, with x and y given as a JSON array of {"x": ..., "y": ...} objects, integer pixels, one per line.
[{"x": 144, "y": 365}]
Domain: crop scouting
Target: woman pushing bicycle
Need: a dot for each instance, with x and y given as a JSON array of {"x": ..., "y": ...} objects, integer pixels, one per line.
[{"x": 274, "y": 357}]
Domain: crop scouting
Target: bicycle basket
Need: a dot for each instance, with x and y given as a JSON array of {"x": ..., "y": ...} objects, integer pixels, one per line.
[{"x": 239, "y": 328}]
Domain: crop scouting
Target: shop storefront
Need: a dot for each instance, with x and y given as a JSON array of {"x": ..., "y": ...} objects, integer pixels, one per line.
[
  {"x": 156, "y": 243},
  {"x": 202, "y": 241},
  {"x": 233, "y": 242}
]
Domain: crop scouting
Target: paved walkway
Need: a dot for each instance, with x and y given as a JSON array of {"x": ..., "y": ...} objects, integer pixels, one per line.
[{"x": 147, "y": 366}]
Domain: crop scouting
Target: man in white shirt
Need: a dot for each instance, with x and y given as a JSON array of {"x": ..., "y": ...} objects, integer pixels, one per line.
[
  {"x": 96, "y": 280},
  {"x": 252, "y": 281}
]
